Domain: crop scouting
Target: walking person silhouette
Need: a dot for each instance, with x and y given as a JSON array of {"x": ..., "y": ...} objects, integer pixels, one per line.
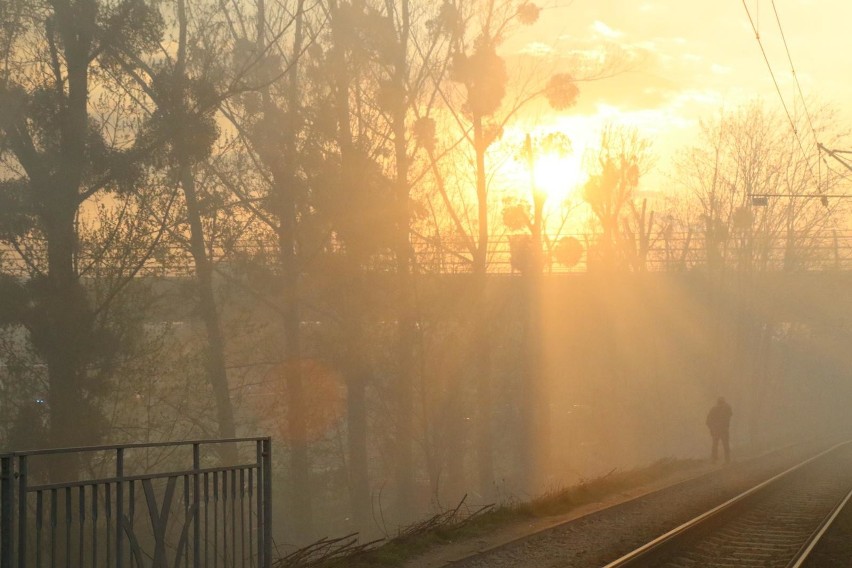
[{"x": 719, "y": 423}]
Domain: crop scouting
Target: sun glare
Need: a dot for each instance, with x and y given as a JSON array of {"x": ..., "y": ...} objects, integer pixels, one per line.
[
  {"x": 558, "y": 176},
  {"x": 557, "y": 164}
]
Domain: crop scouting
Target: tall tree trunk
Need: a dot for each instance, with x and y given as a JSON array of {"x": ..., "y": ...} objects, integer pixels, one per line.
[
  {"x": 62, "y": 350},
  {"x": 402, "y": 249},
  {"x": 358, "y": 369},
  {"x": 301, "y": 493},
  {"x": 65, "y": 354},
  {"x": 536, "y": 411},
  {"x": 482, "y": 347},
  {"x": 357, "y": 377},
  {"x": 453, "y": 428},
  {"x": 285, "y": 180},
  {"x": 214, "y": 361}
]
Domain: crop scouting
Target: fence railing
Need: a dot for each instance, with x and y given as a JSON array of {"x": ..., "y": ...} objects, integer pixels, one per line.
[
  {"x": 820, "y": 250},
  {"x": 203, "y": 514}
]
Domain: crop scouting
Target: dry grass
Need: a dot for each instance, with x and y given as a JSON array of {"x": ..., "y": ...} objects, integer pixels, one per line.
[{"x": 462, "y": 523}]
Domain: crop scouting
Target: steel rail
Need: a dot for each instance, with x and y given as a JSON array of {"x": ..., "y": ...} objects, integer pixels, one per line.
[
  {"x": 645, "y": 551},
  {"x": 612, "y": 507},
  {"x": 805, "y": 552}
]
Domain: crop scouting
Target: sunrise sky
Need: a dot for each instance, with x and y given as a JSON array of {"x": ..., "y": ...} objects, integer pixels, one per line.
[{"x": 689, "y": 59}]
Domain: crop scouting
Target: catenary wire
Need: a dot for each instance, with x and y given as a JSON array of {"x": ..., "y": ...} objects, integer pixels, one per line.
[
  {"x": 821, "y": 158},
  {"x": 778, "y": 90},
  {"x": 793, "y": 71}
]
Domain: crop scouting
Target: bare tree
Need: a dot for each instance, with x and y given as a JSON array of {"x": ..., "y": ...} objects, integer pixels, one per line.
[
  {"x": 184, "y": 88},
  {"x": 269, "y": 125},
  {"x": 744, "y": 156},
  {"x": 616, "y": 167}
]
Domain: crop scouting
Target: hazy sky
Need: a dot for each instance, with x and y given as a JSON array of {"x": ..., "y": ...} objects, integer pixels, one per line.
[{"x": 692, "y": 57}]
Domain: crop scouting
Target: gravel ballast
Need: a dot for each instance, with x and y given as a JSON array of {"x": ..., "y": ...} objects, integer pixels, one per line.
[{"x": 603, "y": 536}]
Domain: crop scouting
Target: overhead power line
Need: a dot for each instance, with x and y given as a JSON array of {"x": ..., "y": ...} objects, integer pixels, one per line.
[
  {"x": 778, "y": 90},
  {"x": 821, "y": 149},
  {"x": 820, "y": 158},
  {"x": 793, "y": 71}
]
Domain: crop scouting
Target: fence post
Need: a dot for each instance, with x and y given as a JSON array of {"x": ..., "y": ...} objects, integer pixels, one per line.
[
  {"x": 259, "y": 497},
  {"x": 196, "y": 505},
  {"x": 7, "y": 517},
  {"x": 119, "y": 506},
  {"x": 267, "y": 502},
  {"x": 22, "y": 511}
]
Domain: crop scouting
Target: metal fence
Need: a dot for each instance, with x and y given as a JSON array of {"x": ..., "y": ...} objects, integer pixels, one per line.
[
  {"x": 201, "y": 516},
  {"x": 814, "y": 250}
]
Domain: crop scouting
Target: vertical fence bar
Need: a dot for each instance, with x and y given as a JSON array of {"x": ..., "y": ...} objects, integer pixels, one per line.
[
  {"x": 68, "y": 519},
  {"x": 186, "y": 520},
  {"x": 234, "y": 518},
  {"x": 215, "y": 519},
  {"x": 119, "y": 506},
  {"x": 39, "y": 525},
  {"x": 267, "y": 502},
  {"x": 54, "y": 498},
  {"x": 206, "y": 519},
  {"x": 243, "y": 554},
  {"x": 131, "y": 506},
  {"x": 108, "y": 522},
  {"x": 94, "y": 526},
  {"x": 22, "y": 511},
  {"x": 81, "y": 513},
  {"x": 196, "y": 509},
  {"x": 225, "y": 518},
  {"x": 7, "y": 513},
  {"x": 233, "y": 502},
  {"x": 252, "y": 539},
  {"x": 260, "y": 547}
]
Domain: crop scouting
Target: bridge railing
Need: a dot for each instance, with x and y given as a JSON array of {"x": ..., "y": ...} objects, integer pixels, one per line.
[
  {"x": 203, "y": 514},
  {"x": 830, "y": 249}
]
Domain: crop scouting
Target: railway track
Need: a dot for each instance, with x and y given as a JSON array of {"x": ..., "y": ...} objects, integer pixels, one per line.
[
  {"x": 777, "y": 523},
  {"x": 829, "y": 545},
  {"x": 630, "y": 530}
]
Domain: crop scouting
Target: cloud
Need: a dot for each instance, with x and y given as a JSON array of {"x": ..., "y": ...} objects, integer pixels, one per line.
[
  {"x": 604, "y": 30},
  {"x": 537, "y": 49},
  {"x": 697, "y": 96},
  {"x": 665, "y": 69}
]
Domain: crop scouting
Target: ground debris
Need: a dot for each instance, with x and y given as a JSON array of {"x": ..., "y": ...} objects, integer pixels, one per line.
[
  {"x": 326, "y": 552},
  {"x": 455, "y": 517},
  {"x": 348, "y": 551}
]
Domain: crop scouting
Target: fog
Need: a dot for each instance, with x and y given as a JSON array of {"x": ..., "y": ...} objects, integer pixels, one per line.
[
  {"x": 342, "y": 225},
  {"x": 630, "y": 364}
]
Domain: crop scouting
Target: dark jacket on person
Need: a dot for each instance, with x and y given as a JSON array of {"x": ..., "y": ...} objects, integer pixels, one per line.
[{"x": 719, "y": 418}]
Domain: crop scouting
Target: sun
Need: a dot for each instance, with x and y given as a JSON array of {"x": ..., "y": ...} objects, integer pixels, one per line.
[
  {"x": 558, "y": 176},
  {"x": 542, "y": 163},
  {"x": 546, "y": 162}
]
